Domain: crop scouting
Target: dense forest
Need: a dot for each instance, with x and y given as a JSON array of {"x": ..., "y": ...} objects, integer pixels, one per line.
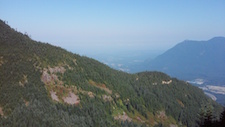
[{"x": 45, "y": 85}]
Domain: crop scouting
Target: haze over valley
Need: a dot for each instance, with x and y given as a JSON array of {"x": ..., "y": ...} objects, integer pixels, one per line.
[{"x": 112, "y": 63}]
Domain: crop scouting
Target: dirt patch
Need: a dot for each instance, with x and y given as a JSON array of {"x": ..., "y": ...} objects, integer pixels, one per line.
[
  {"x": 1, "y": 111},
  {"x": 54, "y": 96},
  {"x": 101, "y": 86},
  {"x": 123, "y": 117},
  {"x": 71, "y": 99}
]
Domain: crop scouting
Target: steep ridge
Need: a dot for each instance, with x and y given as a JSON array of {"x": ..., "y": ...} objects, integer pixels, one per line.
[{"x": 44, "y": 85}]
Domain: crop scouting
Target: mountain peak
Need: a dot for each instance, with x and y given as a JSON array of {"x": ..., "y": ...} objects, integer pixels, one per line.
[{"x": 217, "y": 39}]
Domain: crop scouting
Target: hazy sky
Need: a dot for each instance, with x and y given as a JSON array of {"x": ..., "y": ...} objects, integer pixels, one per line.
[{"x": 106, "y": 25}]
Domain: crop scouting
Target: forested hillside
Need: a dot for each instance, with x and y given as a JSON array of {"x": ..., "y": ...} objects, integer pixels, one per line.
[{"x": 44, "y": 85}]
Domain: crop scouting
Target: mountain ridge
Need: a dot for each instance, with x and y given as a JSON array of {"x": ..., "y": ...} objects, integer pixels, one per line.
[
  {"x": 45, "y": 85},
  {"x": 195, "y": 60},
  {"x": 190, "y": 53}
]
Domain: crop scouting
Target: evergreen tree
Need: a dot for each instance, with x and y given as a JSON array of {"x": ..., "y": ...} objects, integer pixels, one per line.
[
  {"x": 206, "y": 117},
  {"x": 222, "y": 119}
]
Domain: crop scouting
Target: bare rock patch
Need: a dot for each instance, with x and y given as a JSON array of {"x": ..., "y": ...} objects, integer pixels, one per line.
[
  {"x": 54, "y": 96},
  {"x": 71, "y": 99},
  {"x": 123, "y": 117},
  {"x": 167, "y": 82},
  {"x": 107, "y": 98}
]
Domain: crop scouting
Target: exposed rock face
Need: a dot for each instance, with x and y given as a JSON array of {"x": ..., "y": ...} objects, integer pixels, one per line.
[
  {"x": 47, "y": 78},
  {"x": 56, "y": 87},
  {"x": 71, "y": 99},
  {"x": 52, "y": 78},
  {"x": 123, "y": 117}
]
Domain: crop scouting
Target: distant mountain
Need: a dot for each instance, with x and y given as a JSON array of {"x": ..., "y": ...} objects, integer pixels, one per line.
[
  {"x": 194, "y": 60},
  {"x": 43, "y": 85}
]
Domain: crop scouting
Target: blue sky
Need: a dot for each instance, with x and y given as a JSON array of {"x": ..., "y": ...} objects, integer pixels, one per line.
[{"x": 108, "y": 25}]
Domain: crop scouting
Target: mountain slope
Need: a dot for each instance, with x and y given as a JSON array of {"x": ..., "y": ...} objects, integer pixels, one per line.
[
  {"x": 44, "y": 85},
  {"x": 194, "y": 59}
]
